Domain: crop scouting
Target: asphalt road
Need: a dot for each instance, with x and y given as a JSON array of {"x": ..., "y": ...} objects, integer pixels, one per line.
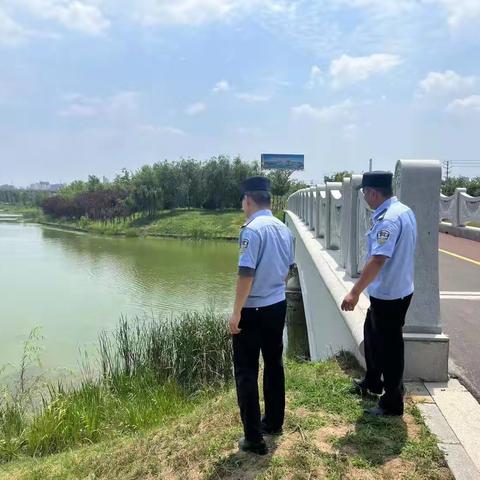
[{"x": 460, "y": 306}]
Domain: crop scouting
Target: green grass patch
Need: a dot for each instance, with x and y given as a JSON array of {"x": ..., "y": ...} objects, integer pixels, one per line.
[
  {"x": 323, "y": 438},
  {"x": 196, "y": 224},
  {"x": 323, "y": 387}
]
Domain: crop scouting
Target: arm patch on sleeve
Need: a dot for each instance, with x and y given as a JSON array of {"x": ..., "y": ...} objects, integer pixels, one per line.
[
  {"x": 383, "y": 236},
  {"x": 243, "y": 246}
]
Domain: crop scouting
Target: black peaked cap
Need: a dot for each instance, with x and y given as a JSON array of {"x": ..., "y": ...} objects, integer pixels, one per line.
[
  {"x": 377, "y": 179},
  {"x": 255, "y": 184}
]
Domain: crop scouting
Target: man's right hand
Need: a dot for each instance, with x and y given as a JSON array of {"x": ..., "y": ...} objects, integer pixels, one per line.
[
  {"x": 234, "y": 321},
  {"x": 350, "y": 301}
]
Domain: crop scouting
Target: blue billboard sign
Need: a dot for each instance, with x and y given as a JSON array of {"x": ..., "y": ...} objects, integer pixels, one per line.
[{"x": 282, "y": 161}]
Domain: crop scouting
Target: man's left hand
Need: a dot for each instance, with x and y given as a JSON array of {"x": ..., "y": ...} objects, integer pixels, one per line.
[
  {"x": 234, "y": 321},
  {"x": 350, "y": 301}
]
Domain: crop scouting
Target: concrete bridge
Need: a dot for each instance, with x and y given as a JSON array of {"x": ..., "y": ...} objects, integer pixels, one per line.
[
  {"x": 329, "y": 223},
  {"x": 457, "y": 212}
]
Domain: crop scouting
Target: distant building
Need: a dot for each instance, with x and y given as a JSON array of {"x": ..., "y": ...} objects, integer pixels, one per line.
[
  {"x": 8, "y": 187},
  {"x": 43, "y": 186},
  {"x": 46, "y": 186}
]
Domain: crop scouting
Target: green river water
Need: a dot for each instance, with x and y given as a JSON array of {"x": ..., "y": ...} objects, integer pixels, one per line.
[{"x": 75, "y": 285}]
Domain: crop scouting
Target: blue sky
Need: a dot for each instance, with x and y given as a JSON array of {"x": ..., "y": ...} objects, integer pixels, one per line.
[{"x": 92, "y": 86}]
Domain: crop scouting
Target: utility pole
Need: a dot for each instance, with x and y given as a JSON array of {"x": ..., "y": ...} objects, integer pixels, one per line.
[{"x": 446, "y": 164}]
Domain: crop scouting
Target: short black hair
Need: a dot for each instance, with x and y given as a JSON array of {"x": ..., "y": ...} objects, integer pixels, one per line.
[
  {"x": 386, "y": 192},
  {"x": 261, "y": 197}
]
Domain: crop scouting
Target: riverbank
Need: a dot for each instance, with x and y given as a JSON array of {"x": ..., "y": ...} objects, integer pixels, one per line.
[
  {"x": 29, "y": 214},
  {"x": 196, "y": 224},
  {"x": 326, "y": 436},
  {"x": 181, "y": 223}
]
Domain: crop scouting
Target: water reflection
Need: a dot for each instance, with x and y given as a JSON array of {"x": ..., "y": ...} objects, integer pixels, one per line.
[
  {"x": 155, "y": 273},
  {"x": 74, "y": 285}
]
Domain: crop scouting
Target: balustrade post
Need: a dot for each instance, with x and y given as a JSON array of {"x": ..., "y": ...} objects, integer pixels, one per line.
[
  {"x": 417, "y": 182},
  {"x": 352, "y": 249},
  {"x": 328, "y": 224},
  {"x": 346, "y": 213},
  {"x": 456, "y": 220}
]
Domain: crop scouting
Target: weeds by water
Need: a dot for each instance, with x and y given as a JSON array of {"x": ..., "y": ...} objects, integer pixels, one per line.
[
  {"x": 192, "y": 350},
  {"x": 150, "y": 370}
]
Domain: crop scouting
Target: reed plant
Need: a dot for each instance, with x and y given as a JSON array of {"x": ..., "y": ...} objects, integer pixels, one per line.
[
  {"x": 192, "y": 350},
  {"x": 150, "y": 371}
]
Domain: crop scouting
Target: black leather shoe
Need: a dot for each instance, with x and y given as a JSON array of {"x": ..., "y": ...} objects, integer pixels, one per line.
[
  {"x": 260, "y": 448},
  {"x": 382, "y": 412},
  {"x": 360, "y": 387},
  {"x": 270, "y": 431}
]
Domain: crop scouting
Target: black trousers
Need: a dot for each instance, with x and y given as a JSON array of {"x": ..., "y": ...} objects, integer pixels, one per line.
[
  {"x": 384, "y": 349},
  {"x": 262, "y": 330}
]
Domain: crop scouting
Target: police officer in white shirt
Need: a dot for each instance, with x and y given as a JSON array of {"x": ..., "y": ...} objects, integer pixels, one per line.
[
  {"x": 388, "y": 276},
  {"x": 258, "y": 318}
]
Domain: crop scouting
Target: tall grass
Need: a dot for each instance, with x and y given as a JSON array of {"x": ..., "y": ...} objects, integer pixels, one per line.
[
  {"x": 192, "y": 350},
  {"x": 150, "y": 371}
]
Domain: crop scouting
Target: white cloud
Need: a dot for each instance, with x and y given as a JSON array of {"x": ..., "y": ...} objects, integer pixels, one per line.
[
  {"x": 75, "y": 15},
  {"x": 221, "y": 86},
  {"x": 448, "y": 82},
  {"x": 79, "y": 110},
  {"x": 161, "y": 130},
  {"x": 388, "y": 7},
  {"x": 11, "y": 33},
  {"x": 248, "y": 131},
  {"x": 195, "y": 12},
  {"x": 464, "y": 105},
  {"x": 350, "y": 131},
  {"x": 82, "y": 17},
  {"x": 120, "y": 104},
  {"x": 338, "y": 112},
  {"x": 315, "y": 77},
  {"x": 195, "y": 108},
  {"x": 460, "y": 11},
  {"x": 252, "y": 97},
  {"x": 276, "y": 81},
  {"x": 123, "y": 102},
  {"x": 347, "y": 70}
]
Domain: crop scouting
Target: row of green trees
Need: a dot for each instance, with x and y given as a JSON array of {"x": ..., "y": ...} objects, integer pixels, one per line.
[
  {"x": 213, "y": 185},
  {"x": 23, "y": 196},
  {"x": 471, "y": 184}
]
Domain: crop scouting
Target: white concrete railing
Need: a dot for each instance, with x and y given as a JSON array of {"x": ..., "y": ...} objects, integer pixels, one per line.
[
  {"x": 460, "y": 208},
  {"x": 330, "y": 223}
]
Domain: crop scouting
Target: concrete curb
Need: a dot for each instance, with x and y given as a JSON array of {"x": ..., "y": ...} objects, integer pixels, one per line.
[
  {"x": 471, "y": 233},
  {"x": 453, "y": 415}
]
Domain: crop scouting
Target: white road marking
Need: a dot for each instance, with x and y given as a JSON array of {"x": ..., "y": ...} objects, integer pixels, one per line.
[{"x": 460, "y": 295}]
